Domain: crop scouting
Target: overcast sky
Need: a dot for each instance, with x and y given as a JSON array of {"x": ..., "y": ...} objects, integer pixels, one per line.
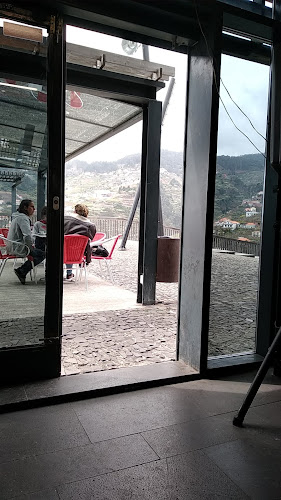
[{"x": 247, "y": 83}]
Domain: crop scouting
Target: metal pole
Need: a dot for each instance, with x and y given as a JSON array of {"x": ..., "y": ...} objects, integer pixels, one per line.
[
  {"x": 41, "y": 192},
  {"x": 238, "y": 420},
  {"x": 14, "y": 191},
  {"x": 145, "y": 52},
  {"x": 14, "y": 194},
  {"x": 130, "y": 220}
]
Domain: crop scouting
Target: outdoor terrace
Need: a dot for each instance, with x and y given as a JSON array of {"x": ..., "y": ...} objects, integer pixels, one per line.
[{"x": 104, "y": 327}]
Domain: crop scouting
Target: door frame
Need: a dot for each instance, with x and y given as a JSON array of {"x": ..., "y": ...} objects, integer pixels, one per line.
[{"x": 44, "y": 360}]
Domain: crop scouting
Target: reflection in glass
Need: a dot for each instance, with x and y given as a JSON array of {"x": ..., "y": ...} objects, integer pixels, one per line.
[
  {"x": 23, "y": 170},
  {"x": 238, "y": 209}
]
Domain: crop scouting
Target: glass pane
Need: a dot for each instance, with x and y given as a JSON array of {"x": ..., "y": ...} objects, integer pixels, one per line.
[
  {"x": 23, "y": 176},
  {"x": 238, "y": 207}
]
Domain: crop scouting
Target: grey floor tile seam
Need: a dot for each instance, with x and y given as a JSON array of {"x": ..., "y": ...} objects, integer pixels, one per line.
[
  {"x": 223, "y": 472},
  {"x": 265, "y": 403},
  {"x": 44, "y": 453},
  {"x": 200, "y": 448},
  {"x": 101, "y": 475},
  {"x": 193, "y": 419},
  {"x": 125, "y": 435},
  {"x": 35, "y": 491}
]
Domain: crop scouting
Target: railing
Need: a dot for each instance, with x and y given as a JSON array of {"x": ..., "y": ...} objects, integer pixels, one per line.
[
  {"x": 5, "y": 220},
  {"x": 232, "y": 245},
  {"x": 113, "y": 226}
]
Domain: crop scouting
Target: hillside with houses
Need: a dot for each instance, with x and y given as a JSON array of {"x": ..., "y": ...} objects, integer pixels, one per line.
[{"x": 109, "y": 188}]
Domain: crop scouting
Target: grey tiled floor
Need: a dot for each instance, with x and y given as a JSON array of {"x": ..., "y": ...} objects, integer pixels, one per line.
[{"x": 175, "y": 442}]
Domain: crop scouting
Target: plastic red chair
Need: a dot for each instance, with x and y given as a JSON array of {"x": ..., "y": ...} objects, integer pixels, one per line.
[
  {"x": 108, "y": 259},
  {"x": 3, "y": 231},
  {"x": 98, "y": 239},
  {"x": 5, "y": 256},
  {"x": 73, "y": 253}
]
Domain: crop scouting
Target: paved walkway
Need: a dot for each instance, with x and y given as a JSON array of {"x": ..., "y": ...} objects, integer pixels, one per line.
[
  {"x": 104, "y": 328},
  {"x": 143, "y": 335}
]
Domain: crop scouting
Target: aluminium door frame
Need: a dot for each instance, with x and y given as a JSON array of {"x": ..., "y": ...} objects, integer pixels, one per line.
[{"x": 44, "y": 360}]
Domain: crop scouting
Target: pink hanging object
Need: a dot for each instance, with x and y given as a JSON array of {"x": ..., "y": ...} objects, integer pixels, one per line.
[{"x": 75, "y": 99}]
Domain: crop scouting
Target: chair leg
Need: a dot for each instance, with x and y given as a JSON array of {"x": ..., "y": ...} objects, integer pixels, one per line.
[
  {"x": 77, "y": 273},
  {"x": 109, "y": 271},
  {"x": 3, "y": 263},
  {"x": 33, "y": 272},
  {"x": 86, "y": 276}
]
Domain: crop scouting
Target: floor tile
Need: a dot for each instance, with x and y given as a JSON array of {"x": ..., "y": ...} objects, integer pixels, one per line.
[
  {"x": 144, "y": 482},
  {"x": 50, "y": 470},
  {"x": 215, "y": 396},
  {"x": 135, "y": 412},
  {"x": 195, "y": 434},
  {"x": 193, "y": 476},
  {"x": 38, "y": 495},
  {"x": 12, "y": 394},
  {"x": 253, "y": 464},
  {"x": 38, "y": 431},
  {"x": 264, "y": 419}
]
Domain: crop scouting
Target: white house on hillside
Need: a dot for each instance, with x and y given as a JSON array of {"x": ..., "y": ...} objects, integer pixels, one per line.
[
  {"x": 251, "y": 211},
  {"x": 227, "y": 224}
]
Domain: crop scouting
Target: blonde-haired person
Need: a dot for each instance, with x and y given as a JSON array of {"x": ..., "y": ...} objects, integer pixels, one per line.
[{"x": 78, "y": 223}]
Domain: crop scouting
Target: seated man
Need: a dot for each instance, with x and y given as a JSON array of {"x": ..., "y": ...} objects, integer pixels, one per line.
[
  {"x": 39, "y": 231},
  {"x": 20, "y": 233},
  {"x": 78, "y": 223}
]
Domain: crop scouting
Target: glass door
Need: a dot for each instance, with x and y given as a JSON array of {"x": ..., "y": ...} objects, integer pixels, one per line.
[{"x": 30, "y": 192}]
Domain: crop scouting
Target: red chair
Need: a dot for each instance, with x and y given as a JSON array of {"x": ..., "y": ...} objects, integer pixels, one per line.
[
  {"x": 108, "y": 259},
  {"x": 73, "y": 253},
  {"x": 3, "y": 231},
  {"x": 98, "y": 239},
  {"x": 5, "y": 256}
]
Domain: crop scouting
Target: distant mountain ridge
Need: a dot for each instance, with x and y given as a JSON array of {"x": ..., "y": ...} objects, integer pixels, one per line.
[{"x": 109, "y": 187}]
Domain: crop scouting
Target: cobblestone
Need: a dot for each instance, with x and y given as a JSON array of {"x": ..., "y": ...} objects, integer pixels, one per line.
[
  {"x": 110, "y": 339},
  {"x": 148, "y": 335}
]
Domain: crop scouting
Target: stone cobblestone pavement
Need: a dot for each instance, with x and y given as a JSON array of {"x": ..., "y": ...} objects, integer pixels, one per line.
[{"x": 111, "y": 339}]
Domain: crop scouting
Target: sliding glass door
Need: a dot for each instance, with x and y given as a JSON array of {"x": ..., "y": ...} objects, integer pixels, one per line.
[{"x": 31, "y": 187}]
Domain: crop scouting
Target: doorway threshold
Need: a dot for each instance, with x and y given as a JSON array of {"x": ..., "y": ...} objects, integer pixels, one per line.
[{"x": 90, "y": 385}]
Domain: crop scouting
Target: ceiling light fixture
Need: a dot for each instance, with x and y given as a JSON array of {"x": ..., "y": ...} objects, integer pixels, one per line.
[{"x": 18, "y": 86}]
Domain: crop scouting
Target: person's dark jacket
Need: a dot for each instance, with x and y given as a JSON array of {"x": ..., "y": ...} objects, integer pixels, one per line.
[{"x": 77, "y": 224}]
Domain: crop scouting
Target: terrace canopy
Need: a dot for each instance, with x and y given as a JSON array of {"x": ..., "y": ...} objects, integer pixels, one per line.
[{"x": 105, "y": 93}]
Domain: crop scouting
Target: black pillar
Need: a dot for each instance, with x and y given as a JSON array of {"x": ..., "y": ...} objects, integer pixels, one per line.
[
  {"x": 141, "y": 195},
  {"x": 150, "y": 201},
  {"x": 55, "y": 195},
  {"x": 198, "y": 193},
  {"x": 269, "y": 310}
]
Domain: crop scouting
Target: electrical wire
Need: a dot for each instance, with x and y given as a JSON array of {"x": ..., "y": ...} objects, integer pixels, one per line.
[
  {"x": 241, "y": 110},
  {"x": 217, "y": 88}
]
